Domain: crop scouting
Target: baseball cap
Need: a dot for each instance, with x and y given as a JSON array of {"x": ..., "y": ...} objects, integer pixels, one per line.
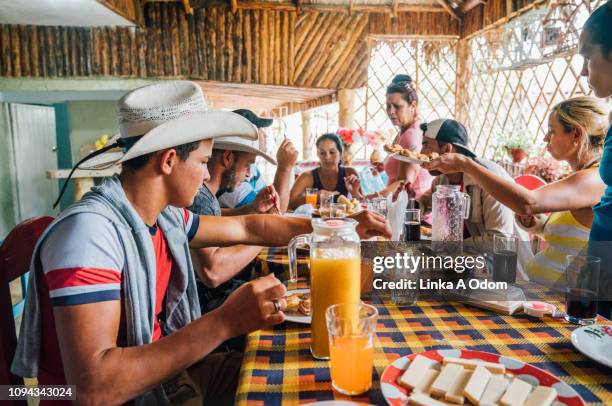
[
  {"x": 259, "y": 122},
  {"x": 448, "y": 131}
]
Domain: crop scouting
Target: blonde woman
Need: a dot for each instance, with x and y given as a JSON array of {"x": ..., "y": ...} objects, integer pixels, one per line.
[{"x": 577, "y": 129}]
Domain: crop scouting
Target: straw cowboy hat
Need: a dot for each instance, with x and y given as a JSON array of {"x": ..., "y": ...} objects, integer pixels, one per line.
[
  {"x": 168, "y": 114},
  {"x": 242, "y": 144},
  {"x": 164, "y": 115}
]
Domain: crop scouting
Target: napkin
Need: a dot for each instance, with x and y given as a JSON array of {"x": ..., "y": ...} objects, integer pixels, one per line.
[
  {"x": 304, "y": 210},
  {"x": 395, "y": 213}
]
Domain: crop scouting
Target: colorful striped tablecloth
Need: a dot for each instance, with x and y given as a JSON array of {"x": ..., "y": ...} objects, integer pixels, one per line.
[{"x": 278, "y": 368}]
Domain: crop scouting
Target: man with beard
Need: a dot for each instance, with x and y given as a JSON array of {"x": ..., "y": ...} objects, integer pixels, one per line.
[{"x": 221, "y": 270}]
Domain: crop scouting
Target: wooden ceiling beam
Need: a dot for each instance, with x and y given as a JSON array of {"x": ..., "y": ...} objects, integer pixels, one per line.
[
  {"x": 446, "y": 5},
  {"x": 299, "y": 6},
  {"x": 341, "y": 9}
]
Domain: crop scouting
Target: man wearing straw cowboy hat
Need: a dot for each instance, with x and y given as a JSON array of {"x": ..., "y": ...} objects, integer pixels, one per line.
[
  {"x": 219, "y": 268},
  {"x": 112, "y": 305}
]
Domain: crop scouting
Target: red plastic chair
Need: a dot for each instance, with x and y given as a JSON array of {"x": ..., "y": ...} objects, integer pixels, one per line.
[
  {"x": 531, "y": 182},
  {"x": 15, "y": 255}
]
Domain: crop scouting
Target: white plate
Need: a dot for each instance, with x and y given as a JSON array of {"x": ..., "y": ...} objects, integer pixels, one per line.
[
  {"x": 408, "y": 159},
  {"x": 595, "y": 342},
  {"x": 295, "y": 316}
]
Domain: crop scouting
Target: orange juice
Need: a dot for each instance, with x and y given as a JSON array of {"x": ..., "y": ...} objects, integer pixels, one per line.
[
  {"x": 332, "y": 281},
  {"x": 311, "y": 199},
  {"x": 352, "y": 358}
]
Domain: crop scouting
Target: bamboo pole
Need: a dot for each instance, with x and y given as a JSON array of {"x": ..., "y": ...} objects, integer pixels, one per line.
[
  {"x": 165, "y": 32},
  {"x": 114, "y": 51},
  {"x": 270, "y": 45},
  {"x": 263, "y": 48},
  {"x": 24, "y": 50},
  {"x": 247, "y": 47},
  {"x": 60, "y": 43},
  {"x": 279, "y": 38},
  {"x": 220, "y": 68},
  {"x": 105, "y": 55},
  {"x": 229, "y": 46},
  {"x": 134, "y": 52},
  {"x": 34, "y": 60},
  {"x": 142, "y": 40},
  {"x": 291, "y": 50},
  {"x": 185, "y": 63},
  {"x": 125, "y": 52},
  {"x": 256, "y": 41},
  {"x": 86, "y": 38},
  {"x": 175, "y": 45},
  {"x": 42, "y": 54},
  {"x": 95, "y": 51},
  {"x": 211, "y": 18},
  {"x": 286, "y": 16},
  {"x": 16, "y": 45},
  {"x": 5, "y": 45},
  {"x": 200, "y": 23},
  {"x": 239, "y": 41}
]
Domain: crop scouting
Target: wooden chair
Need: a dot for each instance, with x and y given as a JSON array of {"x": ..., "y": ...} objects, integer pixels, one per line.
[{"x": 15, "y": 255}]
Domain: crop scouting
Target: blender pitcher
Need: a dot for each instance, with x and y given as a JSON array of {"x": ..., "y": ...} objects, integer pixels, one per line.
[
  {"x": 335, "y": 272},
  {"x": 450, "y": 207}
]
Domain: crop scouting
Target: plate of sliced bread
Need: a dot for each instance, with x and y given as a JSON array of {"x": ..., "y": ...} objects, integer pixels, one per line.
[
  {"x": 450, "y": 377},
  {"x": 407, "y": 155}
]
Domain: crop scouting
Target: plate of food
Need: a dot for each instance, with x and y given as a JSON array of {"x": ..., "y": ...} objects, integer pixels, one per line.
[
  {"x": 407, "y": 155},
  {"x": 437, "y": 377},
  {"x": 595, "y": 342},
  {"x": 298, "y": 306},
  {"x": 352, "y": 207}
]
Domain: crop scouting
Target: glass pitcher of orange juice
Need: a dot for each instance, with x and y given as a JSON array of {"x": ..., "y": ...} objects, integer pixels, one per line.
[{"x": 335, "y": 272}]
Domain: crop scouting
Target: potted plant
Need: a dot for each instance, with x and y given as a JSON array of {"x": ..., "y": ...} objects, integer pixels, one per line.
[
  {"x": 517, "y": 150},
  {"x": 516, "y": 144}
]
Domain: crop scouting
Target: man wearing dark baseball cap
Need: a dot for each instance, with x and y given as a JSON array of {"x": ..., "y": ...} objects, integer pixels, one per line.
[{"x": 487, "y": 215}]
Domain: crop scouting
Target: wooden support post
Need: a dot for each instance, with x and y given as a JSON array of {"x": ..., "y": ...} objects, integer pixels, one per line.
[
  {"x": 306, "y": 116},
  {"x": 346, "y": 103},
  {"x": 461, "y": 99}
]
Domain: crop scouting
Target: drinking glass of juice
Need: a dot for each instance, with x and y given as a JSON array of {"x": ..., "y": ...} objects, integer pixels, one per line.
[
  {"x": 351, "y": 328},
  {"x": 311, "y": 196}
]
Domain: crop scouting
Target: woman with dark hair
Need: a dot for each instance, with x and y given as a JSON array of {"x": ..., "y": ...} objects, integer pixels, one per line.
[
  {"x": 596, "y": 48},
  {"x": 330, "y": 176},
  {"x": 402, "y": 109}
]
